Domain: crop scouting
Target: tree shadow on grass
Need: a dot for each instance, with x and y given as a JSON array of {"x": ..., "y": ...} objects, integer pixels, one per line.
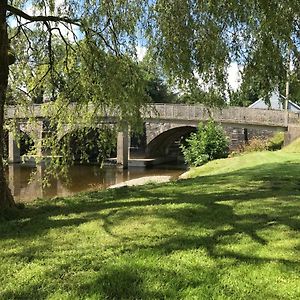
[
  {"x": 134, "y": 279},
  {"x": 35, "y": 219},
  {"x": 126, "y": 280},
  {"x": 192, "y": 204}
]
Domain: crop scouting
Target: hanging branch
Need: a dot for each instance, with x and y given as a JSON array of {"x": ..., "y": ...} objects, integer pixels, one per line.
[
  {"x": 64, "y": 20},
  {"x": 25, "y": 16}
]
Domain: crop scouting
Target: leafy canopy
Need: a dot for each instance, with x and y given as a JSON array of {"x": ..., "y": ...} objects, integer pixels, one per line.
[{"x": 199, "y": 39}]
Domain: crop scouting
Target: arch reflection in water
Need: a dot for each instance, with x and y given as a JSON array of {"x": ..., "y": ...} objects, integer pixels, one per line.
[{"x": 25, "y": 182}]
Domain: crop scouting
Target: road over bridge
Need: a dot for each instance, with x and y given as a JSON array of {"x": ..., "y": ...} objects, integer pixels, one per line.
[{"x": 167, "y": 123}]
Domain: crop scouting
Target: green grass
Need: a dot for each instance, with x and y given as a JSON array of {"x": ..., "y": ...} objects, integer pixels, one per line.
[
  {"x": 230, "y": 233},
  {"x": 293, "y": 147}
]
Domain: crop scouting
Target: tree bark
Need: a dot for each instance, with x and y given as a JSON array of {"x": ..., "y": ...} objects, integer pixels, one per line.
[{"x": 6, "y": 198}]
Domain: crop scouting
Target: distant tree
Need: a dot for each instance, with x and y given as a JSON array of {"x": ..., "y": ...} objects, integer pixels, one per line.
[
  {"x": 157, "y": 87},
  {"x": 158, "y": 91},
  {"x": 295, "y": 88},
  {"x": 243, "y": 96},
  {"x": 196, "y": 95}
]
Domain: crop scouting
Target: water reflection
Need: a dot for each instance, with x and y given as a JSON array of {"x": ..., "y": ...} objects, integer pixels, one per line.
[{"x": 25, "y": 182}]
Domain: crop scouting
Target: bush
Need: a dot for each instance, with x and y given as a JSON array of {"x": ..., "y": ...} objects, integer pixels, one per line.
[
  {"x": 257, "y": 144},
  {"x": 208, "y": 143},
  {"x": 276, "y": 142}
]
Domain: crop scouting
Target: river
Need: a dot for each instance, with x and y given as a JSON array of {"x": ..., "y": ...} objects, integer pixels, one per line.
[{"x": 25, "y": 181}]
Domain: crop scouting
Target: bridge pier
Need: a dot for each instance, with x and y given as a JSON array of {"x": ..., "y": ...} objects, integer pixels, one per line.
[
  {"x": 14, "y": 145},
  {"x": 14, "y": 174},
  {"x": 123, "y": 148},
  {"x": 39, "y": 138},
  {"x": 36, "y": 133},
  {"x": 292, "y": 133}
]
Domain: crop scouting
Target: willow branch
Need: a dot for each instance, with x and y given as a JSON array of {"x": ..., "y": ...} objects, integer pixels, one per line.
[
  {"x": 63, "y": 19},
  {"x": 25, "y": 16}
]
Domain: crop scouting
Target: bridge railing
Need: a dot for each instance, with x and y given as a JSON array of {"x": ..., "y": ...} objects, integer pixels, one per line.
[
  {"x": 234, "y": 115},
  {"x": 22, "y": 111},
  {"x": 240, "y": 115}
]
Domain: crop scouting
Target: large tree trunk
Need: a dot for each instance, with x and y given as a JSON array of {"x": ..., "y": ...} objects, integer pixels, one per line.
[{"x": 6, "y": 198}]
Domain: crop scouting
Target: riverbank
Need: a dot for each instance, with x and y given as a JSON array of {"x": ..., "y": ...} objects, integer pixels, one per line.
[
  {"x": 230, "y": 232},
  {"x": 26, "y": 182},
  {"x": 142, "y": 181}
]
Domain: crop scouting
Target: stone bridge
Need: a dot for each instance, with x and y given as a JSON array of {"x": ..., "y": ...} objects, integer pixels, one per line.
[{"x": 166, "y": 124}]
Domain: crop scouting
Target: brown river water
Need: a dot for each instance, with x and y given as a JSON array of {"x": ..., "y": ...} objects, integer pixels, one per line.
[{"x": 25, "y": 181}]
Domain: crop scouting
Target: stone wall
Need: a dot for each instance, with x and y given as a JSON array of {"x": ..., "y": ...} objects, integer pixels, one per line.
[
  {"x": 292, "y": 134},
  {"x": 234, "y": 115},
  {"x": 159, "y": 140},
  {"x": 239, "y": 136}
]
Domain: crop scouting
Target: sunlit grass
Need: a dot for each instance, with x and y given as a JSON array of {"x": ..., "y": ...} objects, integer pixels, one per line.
[
  {"x": 231, "y": 233},
  {"x": 293, "y": 147}
]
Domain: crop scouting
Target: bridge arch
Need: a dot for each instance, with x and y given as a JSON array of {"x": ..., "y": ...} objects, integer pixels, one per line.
[{"x": 168, "y": 141}]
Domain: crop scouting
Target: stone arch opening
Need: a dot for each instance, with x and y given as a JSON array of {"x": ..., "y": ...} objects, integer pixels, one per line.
[
  {"x": 26, "y": 143},
  {"x": 167, "y": 144}
]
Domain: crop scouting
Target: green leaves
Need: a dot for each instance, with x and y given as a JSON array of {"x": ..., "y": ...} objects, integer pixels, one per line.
[
  {"x": 193, "y": 42},
  {"x": 201, "y": 38},
  {"x": 208, "y": 143}
]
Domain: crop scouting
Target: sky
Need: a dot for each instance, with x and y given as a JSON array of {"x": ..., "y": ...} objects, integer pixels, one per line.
[{"x": 31, "y": 11}]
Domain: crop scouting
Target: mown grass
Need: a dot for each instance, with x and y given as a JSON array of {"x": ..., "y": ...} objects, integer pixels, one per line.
[
  {"x": 293, "y": 147},
  {"x": 231, "y": 233}
]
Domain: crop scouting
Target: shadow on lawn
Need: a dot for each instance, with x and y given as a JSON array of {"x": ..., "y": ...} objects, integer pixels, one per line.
[
  {"x": 130, "y": 280},
  {"x": 207, "y": 209},
  {"x": 280, "y": 181}
]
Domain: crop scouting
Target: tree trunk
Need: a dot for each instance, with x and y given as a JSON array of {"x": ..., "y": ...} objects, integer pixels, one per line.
[{"x": 6, "y": 198}]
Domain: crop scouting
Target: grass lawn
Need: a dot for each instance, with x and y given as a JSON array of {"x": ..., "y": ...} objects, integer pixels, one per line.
[{"x": 232, "y": 232}]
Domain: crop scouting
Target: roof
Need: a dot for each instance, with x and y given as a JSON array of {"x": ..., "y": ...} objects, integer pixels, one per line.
[{"x": 276, "y": 103}]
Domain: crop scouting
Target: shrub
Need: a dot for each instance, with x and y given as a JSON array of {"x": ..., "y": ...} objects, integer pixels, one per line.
[
  {"x": 276, "y": 142},
  {"x": 257, "y": 144},
  {"x": 208, "y": 143}
]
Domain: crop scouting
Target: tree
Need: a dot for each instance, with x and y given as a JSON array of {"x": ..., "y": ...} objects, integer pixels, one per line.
[
  {"x": 196, "y": 41},
  {"x": 97, "y": 68},
  {"x": 157, "y": 87},
  {"x": 196, "y": 95},
  {"x": 193, "y": 41},
  {"x": 295, "y": 88}
]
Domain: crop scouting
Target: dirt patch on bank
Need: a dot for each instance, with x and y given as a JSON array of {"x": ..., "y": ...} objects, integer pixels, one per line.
[{"x": 141, "y": 181}]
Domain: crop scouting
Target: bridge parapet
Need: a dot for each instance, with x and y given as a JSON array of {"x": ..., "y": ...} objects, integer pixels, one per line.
[
  {"x": 233, "y": 115},
  {"x": 25, "y": 112},
  {"x": 229, "y": 115}
]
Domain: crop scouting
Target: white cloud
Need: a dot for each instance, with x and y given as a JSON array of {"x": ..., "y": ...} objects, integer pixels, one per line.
[
  {"x": 234, "y": 75},
  {"x": 141, "y": 52}
]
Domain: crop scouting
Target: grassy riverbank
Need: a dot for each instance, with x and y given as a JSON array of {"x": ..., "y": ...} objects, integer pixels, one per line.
[{"x": 230, "y": 233}]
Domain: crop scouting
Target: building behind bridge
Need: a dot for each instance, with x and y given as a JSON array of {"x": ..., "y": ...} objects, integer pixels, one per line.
[{"x": 275, "y": 103}]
